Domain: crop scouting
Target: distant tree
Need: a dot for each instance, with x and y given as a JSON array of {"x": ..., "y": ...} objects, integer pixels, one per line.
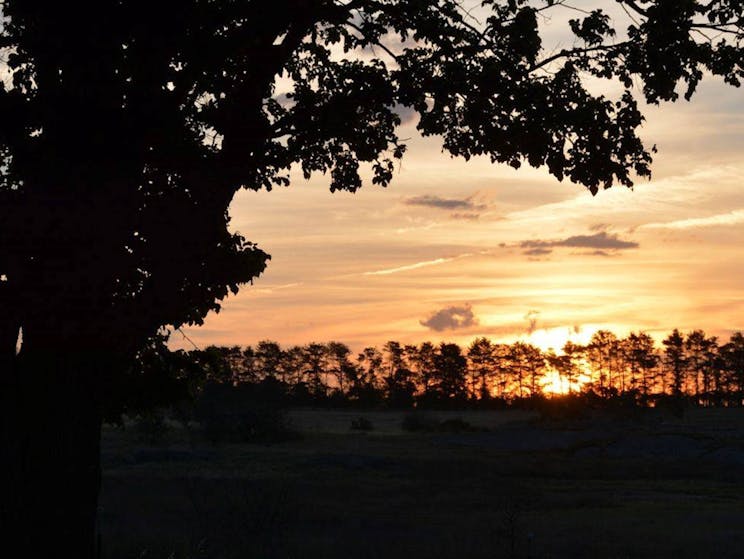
[
  {"x": 602, "y": 354},
  {"x": 340, "y": 365},
  {"x": 701, "y": 356},
  {"x": 732, "y": 354},
  {"x": 423, "y": 360},
  {"x": 399, "y": 382},
  {"x": 481, "y": 367},
  {"x": 127, "y": 127},
  {"x": 559, "y": 364},
  {"x": 520, "y": 365},
  {"x": 503, "y": 369},
  {"x": 534, "y": 362},
  {"x": 369, "y": 365},
  {"x": 247, "y": 368},
  {"x": 315, "y": 368},
  {"x": 674, "y": 361},
  {"x": 641, "y": 359},
  {"x": 268, "y": 360},
  {"x": 216, "y": 363},
  {"x": 573, "y": 365},
  {"x": 370, "y": 359},
  {"x": 451, "y": 374},
  {"x": 293, "y": 362}
]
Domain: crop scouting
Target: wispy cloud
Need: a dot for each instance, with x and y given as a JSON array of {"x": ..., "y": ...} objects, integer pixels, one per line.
[
  {"x": 402, "y": 230},
  {"x": 408, "y": 267},
  {"x": 731, "y": 218},
  {"x": 272, "y": 288},
  {"x": 417, "y": 265},
  {"x": 451, "y": 318}
]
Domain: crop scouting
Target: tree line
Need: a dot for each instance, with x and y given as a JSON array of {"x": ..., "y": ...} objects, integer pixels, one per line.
[{"x": 693, "y": 367}]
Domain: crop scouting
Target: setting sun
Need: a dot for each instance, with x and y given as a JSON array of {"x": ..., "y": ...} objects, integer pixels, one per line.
[
  {"x": 554, "y": 384},
  {"x": 555, "y": 338}
]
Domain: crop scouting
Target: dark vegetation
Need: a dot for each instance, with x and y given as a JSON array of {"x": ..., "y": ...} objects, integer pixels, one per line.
[
  {"x": 609, "y": 373},
  {"x": 127, "y": 126}
]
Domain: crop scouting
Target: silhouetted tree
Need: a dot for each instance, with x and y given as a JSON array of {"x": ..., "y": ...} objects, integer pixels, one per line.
[
  {"x": 315, "y": 367},
  {"x": 503, "y": 369},
  {"x": 602, "y": 353},
  {"x": 524, "y": 365},
  {"x": 126, "y": 127},
  {"x": 216, "y": 364},
  {"x": 451, "y": 373},
  {"x": 268, "y": 360},
  {"x": 481, "y": 367},
  {"x": 247, "y": 369},
  {"x": 572, "y": 366},
  {"x": 369, "y": 363},
  {"x": 732, "y": 354},
  {"x": 293, "y": 362},
  {"x": 398, "y": 380},
  {"x": 534, "y": 362},
  {"x": 423, "y": 361},
  {"x": 701, "y": 357},
  {"x": 641, "y": 359},
  {"x": 674, "y": 361},
  {"x": 343, "y": 370}
]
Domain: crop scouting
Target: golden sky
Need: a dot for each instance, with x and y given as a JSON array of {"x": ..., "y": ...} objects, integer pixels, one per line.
[{"x": 454, "y": 250}]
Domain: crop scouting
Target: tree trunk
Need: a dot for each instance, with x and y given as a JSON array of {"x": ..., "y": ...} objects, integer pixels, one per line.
[{"x": 50, "y": 453}]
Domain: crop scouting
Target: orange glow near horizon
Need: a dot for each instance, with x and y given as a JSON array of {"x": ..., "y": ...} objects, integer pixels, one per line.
[
  {"x": 555, "y": 385},
  {"x": 556, "y": 338}
]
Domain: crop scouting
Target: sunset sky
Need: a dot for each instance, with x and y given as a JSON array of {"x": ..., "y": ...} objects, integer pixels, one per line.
[{"x": 454, "y": 250}]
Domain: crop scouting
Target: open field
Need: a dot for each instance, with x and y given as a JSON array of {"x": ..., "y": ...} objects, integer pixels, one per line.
[{"x": 520, "y": 487}]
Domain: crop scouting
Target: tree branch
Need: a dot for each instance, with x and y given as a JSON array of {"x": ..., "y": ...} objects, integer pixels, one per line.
[{"x": 574, "y": 52}]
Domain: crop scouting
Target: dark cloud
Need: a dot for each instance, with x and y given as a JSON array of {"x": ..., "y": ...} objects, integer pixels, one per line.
[
  {"x": 600, "y": 242},
  {"x": 451, "y": 318},
  {"x": 429, "y": 201}
]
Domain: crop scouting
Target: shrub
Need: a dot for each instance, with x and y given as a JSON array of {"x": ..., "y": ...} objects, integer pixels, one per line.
[
  {"x": 260, "y": 424},
  {"x": 242, "y": 414},
  {"x": 361, "y": 424}
]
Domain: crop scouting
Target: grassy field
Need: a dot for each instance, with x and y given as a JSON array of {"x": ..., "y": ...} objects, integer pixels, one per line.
[{"x": 515, "y": 487}]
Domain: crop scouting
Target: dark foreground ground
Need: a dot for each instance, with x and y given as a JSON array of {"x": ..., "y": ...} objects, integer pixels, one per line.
[{"x": 600, "y": 488}]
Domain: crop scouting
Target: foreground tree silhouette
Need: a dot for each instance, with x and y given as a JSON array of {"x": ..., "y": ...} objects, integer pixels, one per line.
[{"x": 127, "y": 126}]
